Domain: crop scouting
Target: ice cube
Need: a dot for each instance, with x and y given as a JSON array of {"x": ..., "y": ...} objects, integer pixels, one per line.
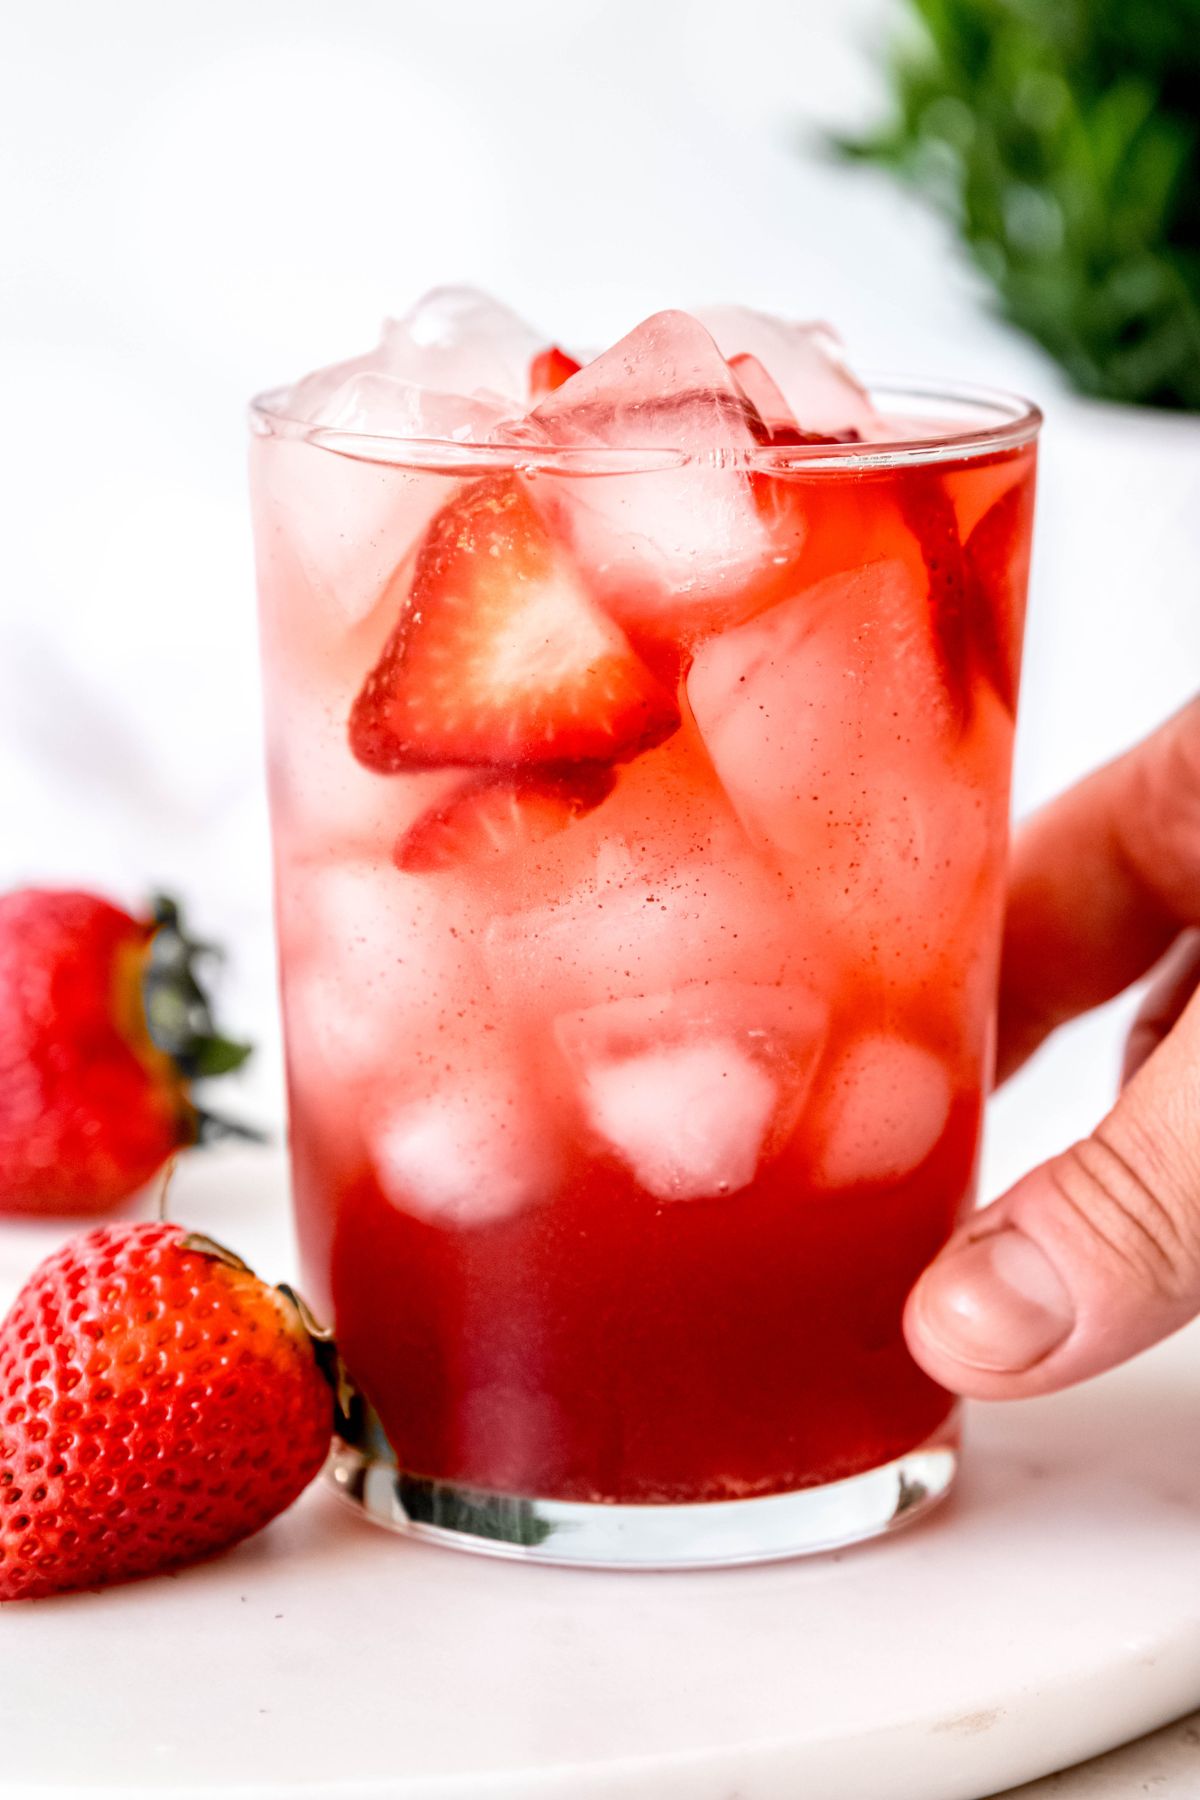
[
  {"x": 681, "y": 542},
  {"x": 830, "y": 729},
  {"x": 393, "y": 1031},
  {"x": 655, "y": 889},
  {"x": 628, "y": 933},
  {"x": 689, "y": 1120},
  {"x": 782, "y": 1028},
  {"x": 470, "y": 1154},
  {"x": 887, "y": 1106},
  {"x": 662, "y": 387},
  {"x": 320, "y": 793},
  {"x": 374, "y": 404},
  {"x": 451, "y": 368},
  {"x": 382, "y": 981},
  {"x": 344, "y": 524},
  {"x": 805, "y": 361},
  {"x": 457, "y": 340},
  {"x": 309, "y": 398},
  {"x": 314, "y": 664},
  {"x": 804, "y": 707},
  {"x": 778, "y": 1022}
]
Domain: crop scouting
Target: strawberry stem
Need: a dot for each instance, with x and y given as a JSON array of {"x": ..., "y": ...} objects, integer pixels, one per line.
[
  {"x": 347, "y": 1400},
  {"x": 180, "y": 1021},
  {"x": 178, "y": 1014},
  {"x": 206, "y": 1246}
]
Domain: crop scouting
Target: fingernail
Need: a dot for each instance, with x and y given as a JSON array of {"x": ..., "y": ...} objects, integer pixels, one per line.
[{"x": 997, "y": 1303}]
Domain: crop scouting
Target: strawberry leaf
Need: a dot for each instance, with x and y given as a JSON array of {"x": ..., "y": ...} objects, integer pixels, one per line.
[{"x": 217, "y": 1056}]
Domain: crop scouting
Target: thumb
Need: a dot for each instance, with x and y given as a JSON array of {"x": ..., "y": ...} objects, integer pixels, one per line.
[{"x": 1088, "y": 1259}]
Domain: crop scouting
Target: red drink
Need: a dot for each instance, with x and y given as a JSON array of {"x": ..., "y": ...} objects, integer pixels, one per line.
[{"x": 640, "y": 789}]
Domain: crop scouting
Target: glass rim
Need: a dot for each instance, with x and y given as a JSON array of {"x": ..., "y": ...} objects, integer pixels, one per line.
[{"x": 1006, "y": 421}]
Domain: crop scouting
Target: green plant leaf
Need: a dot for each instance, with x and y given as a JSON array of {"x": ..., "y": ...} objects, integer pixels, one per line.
[{"x": 1063, "y": 141}]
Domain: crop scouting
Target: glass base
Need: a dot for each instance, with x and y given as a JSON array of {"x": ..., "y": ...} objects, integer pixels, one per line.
[{"x": 709, "y": 1534}]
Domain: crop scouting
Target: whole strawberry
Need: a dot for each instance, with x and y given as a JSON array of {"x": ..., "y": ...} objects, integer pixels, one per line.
[
  {"x": 102, "y": 1027},
  {"x": 158, "y": 1402}
]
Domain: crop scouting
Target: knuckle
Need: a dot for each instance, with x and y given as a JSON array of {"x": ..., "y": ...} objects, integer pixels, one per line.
[{"x": 1116, "y": 1186}]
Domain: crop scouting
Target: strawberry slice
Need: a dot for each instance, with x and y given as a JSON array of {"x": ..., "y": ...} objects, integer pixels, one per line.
[
  {"x": 765, "y": 397},
  {"x": 494, "y": 816},
  {"x": 499, "y": 656},
  {"x": 773, "y": 422},
  {"x": 930, "y": 515},
  {"x": 998, "y": 563},
  {"x": 549, "y": 369}
]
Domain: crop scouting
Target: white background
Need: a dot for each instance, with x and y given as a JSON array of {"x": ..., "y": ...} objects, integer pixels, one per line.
[{"x": 198, "y": 200}]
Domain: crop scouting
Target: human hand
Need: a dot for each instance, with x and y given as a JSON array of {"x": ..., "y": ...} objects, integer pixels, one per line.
[{"x": 1096, "y": 1254}]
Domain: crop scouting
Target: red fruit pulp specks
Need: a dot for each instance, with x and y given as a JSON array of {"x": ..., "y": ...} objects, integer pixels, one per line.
[
  {"x": 499, "y": 656},
  {"x": 156, "y": 1405},
  {"x": 89, "y": 1109},
  {"x": 549, "y": 369}
]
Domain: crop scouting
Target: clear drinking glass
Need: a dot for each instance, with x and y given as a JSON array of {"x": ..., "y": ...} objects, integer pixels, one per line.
[{"x": 631, "y": 1089}]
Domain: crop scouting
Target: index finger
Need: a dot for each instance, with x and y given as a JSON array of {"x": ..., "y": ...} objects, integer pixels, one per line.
[{"x": 1103, "y": 879}]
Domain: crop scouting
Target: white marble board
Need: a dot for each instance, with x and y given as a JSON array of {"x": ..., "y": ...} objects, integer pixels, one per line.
[{"x": 1050, "y": 1611}]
